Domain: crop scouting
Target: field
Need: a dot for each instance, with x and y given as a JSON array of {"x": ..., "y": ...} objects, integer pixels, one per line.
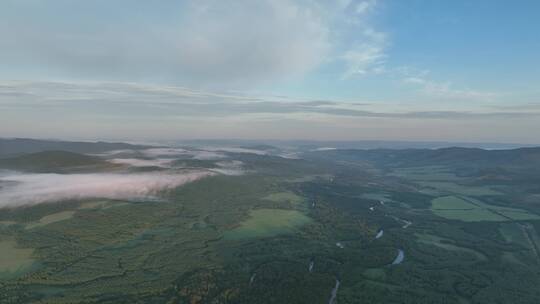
[
  {"x": 267, "y": 223},
  {"x": 429, "y": 173},
  {"x": 13, "y": 259},
  {"x": 51, "y": 218},
  {"x": 452, "y": 187},
  {"x": 471, "y": 210}
]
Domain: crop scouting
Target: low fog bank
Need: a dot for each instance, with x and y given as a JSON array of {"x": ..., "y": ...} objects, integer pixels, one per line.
[
  {"x": 232, "y": 167},
  {"x": 137, "y": 162},
  {"x": 164, "y": 153},
  {"x": 23, "y": 189}
]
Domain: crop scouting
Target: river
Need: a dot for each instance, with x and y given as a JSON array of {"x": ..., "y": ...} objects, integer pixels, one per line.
[
  {"x": 333, "y": 294},
  {"x": 400, "y": 257}
]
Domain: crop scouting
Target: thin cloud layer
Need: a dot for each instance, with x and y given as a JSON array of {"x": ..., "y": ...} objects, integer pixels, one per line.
[
  {"x": 156, "y": 152},
  {"x": 179, "y": 152},
  {"x": 207, "y": 155},
  {"x": 145, "y": 112},
  {"x": 231, "y": 167},
  {"x": 137, "y": 162},
  {"x": 30, "y": 189},
  {"x": 236, "y": 150}
]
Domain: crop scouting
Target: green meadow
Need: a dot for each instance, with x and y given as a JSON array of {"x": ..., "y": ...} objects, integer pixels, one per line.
[
  {"x": 428, "y": 173},
  {"x": 267, "y": 223},
  {"x": 14, "y": 260},
  {"x": 472, "y": 210},
  {"x": 52, "y": 218},
  {"x": 442, "y": 187}
]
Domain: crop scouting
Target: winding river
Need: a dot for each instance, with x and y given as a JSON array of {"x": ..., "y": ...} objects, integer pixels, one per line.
[
  {"x": 333, "y": 295},
  {"x": 399, "y": 258}
]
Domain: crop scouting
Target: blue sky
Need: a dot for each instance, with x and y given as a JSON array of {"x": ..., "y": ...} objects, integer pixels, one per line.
[{"x": 282, "y": 69}]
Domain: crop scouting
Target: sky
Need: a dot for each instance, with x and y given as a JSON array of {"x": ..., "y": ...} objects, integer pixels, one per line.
[{"x": 150, "y": 70}]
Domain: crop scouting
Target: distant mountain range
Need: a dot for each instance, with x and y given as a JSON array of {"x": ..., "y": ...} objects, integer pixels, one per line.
[
  {"x": 55, "y": 162},
  {"x": 21, "y": 153},
  {"x": 358, "y": 144},
  {"x": 10, "y": 147},
  {"x": 520, "y": 157}
]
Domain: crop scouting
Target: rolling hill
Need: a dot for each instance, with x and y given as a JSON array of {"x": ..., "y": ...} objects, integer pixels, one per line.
[{"x": 55, "y": 162}]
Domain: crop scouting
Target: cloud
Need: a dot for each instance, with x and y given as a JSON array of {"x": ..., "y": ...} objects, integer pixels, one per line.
[
  {"x": 113, "y": 152},
  {"x": 30, "y": 189},
  {"x": 365, "y": 53},
  {"x": 447, "y": 91},
  {"x": 526, "y": 106},
  {"x": 155, "y": 152},
  {"x": 363, "y": 7},
  {"x": 442, "y": 90},
  {"x": 364, "y": 59},
  {"x": 245, "y": 40},
  {"x": 195, "y": 154},
  {"x": 143, "y": 102},
  {"x": 208, "y": 42},
  {"x": 161, "y": 157},
  {"x": 117, "y": 111},
  {"x": 236, "y": 150},
  {"x": 232, "y": 167},
  {"x": 207, "y": 155},
  {"x": 137, "y": 162}
]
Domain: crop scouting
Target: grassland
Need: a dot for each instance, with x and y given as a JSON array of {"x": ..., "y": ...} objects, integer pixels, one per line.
[
  {"x": 13, "y": 259},
  {"x": 473, "y": 215},
  {"x": 472, "y": 210},
  {"x": 451, "y": 203},
  {"x": 442, "y": 187},
  {"x": 52, "y": 218},
  {"x": 267, "y": 223},
  {"x": 428, "y": 173}
]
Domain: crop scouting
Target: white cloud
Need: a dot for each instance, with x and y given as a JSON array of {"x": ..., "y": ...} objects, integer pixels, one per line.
[
  {"x": 232, "y": 167},
  {"x": 236, "y": 150},
  {"x": 446, "y": 91},
  {"x": 438, "y": 90},
  {"x": 207, "y": 155},
  {"x": 247, "y": 40},
  {"x": 415, "y": 80},
  {"x": 137, "y": 162},
  {"x": 210, "y": 154},
  {"x": 29, "y": 189},
  {"x": 208, "y": 42},
  {"x": 364, "y": 7},
  {"x": 364, "y": 59},
  {"x": 112, "y": 152},
  {"x": 156, "y": 152},
  {"x": 367, "y": 53}
]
